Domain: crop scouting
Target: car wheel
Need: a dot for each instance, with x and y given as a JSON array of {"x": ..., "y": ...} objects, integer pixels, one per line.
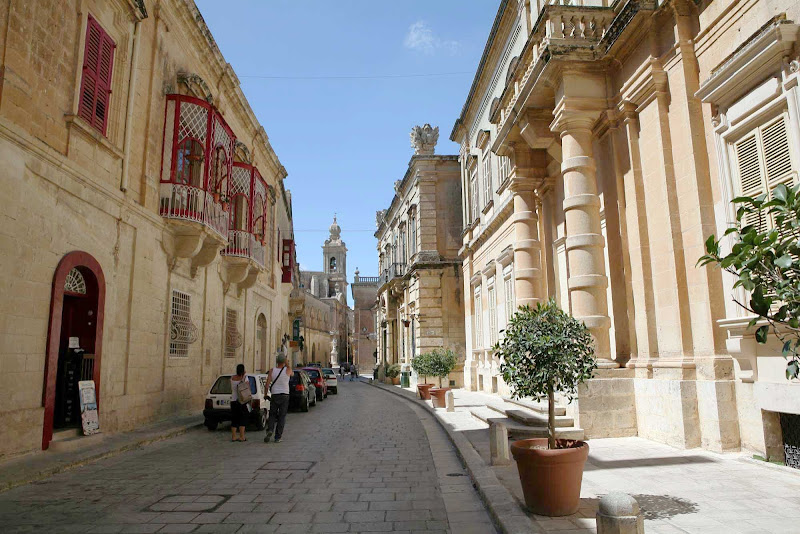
[
  {"x": 211, "y": 425},
  {"x": 261, "y": 422},
  {"x": 335, "y": 391},
  {"x": 304, "y": 405}
]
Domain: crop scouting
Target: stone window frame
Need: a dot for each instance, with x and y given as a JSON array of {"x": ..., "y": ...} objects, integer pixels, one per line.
[
  {"x": 477, "y": 319},
  {"x": 482, "y": 144},
  {"x": 754, "y": 86},
  {"x": 491, "y": 304},
  {"x": 474, "y": 190},
  {"x": 412, "y": 225}
]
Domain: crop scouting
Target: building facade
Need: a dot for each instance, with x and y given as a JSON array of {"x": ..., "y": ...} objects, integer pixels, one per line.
[
  {"x": 146, "y": 224},
  {"x": 365, "y": 340},
  {"x": 601, "y": 144},
  {"x": 329, "y": 288},
  {"x": 420, "y": 295}
]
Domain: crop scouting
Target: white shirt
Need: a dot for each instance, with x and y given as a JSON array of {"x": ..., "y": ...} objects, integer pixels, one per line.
[
  {"x": 281, "y": 383},
  {"x": 234, "y": 389}
]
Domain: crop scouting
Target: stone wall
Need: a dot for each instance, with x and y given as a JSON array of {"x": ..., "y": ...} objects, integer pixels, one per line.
[{"x": 66, "y": 191}]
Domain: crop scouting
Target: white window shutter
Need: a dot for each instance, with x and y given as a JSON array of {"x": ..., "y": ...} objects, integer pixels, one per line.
[
  {"x": 751, "y": 178},
  {"x": 777, "y": 158}
]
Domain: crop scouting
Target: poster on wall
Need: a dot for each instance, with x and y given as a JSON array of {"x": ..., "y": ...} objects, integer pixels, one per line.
[{"x": 89, "y": 418}]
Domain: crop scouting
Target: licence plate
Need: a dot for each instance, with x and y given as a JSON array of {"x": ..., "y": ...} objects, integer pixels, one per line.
[{"x": 222, "y": 403}]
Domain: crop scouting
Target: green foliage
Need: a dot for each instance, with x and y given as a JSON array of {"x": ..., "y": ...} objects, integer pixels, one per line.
[
  {"x": 393, "y": 371},
  {"x": 421, "y": 364},
  {"x": 545, "y": 349},
  {"x": 767, "y": 264},
  {"x": 441, "y": 362}
]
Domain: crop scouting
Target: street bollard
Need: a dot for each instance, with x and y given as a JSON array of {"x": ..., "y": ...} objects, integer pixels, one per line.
[
  {"x": 450, "y": 401},
  {"x": 498, "y": 444},
  {"x": 619, "y": 513}
]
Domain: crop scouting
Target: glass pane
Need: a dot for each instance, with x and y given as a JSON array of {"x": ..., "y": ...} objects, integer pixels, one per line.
[{"x": 222, "y": 386}]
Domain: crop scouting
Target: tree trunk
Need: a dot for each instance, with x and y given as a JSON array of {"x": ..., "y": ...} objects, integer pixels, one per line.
[{"x": 551, "y": 418}]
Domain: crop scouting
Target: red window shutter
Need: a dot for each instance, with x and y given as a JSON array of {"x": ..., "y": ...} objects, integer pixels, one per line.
[{"x": 98, "y": 63}]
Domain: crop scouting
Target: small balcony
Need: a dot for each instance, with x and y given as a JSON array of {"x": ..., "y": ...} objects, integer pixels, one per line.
[
  {"x": 395, "y": 270},
  {"x": 245, "y": 254}
]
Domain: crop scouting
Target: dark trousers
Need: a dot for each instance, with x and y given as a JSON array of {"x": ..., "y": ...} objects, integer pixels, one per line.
[{"x": 278, "y": 407}]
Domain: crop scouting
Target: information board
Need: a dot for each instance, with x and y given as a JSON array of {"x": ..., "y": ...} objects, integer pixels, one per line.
[{"x": 88, "y": 398}]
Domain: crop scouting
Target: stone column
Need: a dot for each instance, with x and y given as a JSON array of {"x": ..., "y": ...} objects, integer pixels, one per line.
[
  {"x": 529, "y": 170},
  {"x": 584, "y": 244}
]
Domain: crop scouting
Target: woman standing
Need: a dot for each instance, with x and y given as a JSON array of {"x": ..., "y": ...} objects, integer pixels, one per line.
[{"x": 239, "y": 411}]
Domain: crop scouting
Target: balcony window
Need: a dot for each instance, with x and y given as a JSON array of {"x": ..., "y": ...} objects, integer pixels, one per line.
[
  {"x": 190, "y": 159},
  {"x": 248, "y": 191}
]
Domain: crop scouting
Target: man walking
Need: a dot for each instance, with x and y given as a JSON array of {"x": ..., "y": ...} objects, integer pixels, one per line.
[{"x": 279, "y": 404}]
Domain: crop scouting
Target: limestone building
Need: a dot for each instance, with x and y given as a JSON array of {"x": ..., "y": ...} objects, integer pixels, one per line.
[
  {"x": 147, "y": 235},
  {"x": 329, "y": 288},
  {"x": 365, "y": 339},
  {"x": 601, "y": 144},
  {"x": 420, "y": 290}
]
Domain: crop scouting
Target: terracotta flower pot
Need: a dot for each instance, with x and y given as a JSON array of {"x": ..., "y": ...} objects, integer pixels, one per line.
[
  {"x": 551, "y": 478},
  {"x": 438, "y": 396},
  {"x": 424, "y": 392},
  {"x": 395, "y": 380}
]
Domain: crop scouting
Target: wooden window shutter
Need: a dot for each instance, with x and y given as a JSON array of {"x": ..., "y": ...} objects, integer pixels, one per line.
[
  {"x": 751, "y": 181},
  {"x": 777, "y": 160},
  {"x": 98, "y": 63}
]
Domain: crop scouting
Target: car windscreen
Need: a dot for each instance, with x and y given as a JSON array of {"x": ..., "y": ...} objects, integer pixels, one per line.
[
  {"x": 295, "y": 378},
  {"x": 222, "y": 386},
  {"x": 313, "y": 373}
]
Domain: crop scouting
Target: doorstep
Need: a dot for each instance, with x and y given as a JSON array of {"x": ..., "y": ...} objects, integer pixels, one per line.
[{"x": 70, "y": 450}]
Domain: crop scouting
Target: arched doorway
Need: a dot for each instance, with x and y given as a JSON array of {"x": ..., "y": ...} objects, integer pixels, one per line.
[
  {"x": 261, "y": 342},
  {"x": 74, "y": 340}
]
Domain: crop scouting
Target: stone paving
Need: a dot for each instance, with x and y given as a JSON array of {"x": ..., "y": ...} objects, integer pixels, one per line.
[
  {"x": 679, "y": 491},
  {"x": 358, "y": 462}
]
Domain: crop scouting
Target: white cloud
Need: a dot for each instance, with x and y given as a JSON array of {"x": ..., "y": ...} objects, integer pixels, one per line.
[{"x": 420, "y": 38}]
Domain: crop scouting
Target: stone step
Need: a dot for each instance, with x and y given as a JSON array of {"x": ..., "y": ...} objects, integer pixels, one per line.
[
  {"x": 534, "y": 419},
  {"x": 520, "y": 431},
  {"x": 72, "y": 440},
  {"x": 530, "y": 418},
  {"x": 535, "y": 406}
]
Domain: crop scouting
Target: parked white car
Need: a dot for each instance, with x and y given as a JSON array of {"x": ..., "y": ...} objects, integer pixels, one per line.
[
  {"x": 330, "y": 379},
  {"x": 218, "y": 401}
]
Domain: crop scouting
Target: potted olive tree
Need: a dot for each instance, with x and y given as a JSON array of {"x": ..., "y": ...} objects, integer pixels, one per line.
[
  {"x": 421, "y": 365},
  {"x": 545, "y": 351},
  {"x": 393, "y": 373},
  {"x": 442, "y": 363}
]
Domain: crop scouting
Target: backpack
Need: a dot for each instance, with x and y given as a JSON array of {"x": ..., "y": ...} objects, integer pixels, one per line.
[{"x": 243, "y": 390}]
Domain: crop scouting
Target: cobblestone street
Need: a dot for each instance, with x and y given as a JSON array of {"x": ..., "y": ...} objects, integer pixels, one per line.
[{"x": 360, "y": 461}]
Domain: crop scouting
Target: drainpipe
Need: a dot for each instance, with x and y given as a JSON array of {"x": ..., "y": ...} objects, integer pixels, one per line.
[{"x": 123, "y": 186}]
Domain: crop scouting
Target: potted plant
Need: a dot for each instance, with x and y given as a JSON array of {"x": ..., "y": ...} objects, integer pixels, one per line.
[
  {"x": 546, "y": 350},
  {"x": 393, "y": 373},
  {"x": 420, "y": 364},
  {"x": 442, "y": 363}
]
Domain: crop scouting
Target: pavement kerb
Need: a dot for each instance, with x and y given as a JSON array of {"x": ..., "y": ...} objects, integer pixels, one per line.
[
  {"x": 503, "y": 508},
  {"x": 24, "y": 468}
]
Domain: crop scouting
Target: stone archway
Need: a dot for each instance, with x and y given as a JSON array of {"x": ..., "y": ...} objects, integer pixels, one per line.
[{"x": 77, "y": 314}]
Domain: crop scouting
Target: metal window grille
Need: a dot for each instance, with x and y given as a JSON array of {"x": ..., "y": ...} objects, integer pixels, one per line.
[
  {"x": 182, "y": 331},
  {"x": 477, "y": 312},
  {"x": 790, "y": 427},
  {"x": 233, "y": 339},
  {"x": 508, "y": 280},
  {"x": 492, "y": 297}
]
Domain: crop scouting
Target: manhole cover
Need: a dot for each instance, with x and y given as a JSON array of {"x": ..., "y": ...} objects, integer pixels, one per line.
[{"x": 287, "y": 466}]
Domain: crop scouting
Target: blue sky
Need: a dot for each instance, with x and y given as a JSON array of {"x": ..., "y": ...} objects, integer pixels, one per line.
[{"x": 345, "y": 141}]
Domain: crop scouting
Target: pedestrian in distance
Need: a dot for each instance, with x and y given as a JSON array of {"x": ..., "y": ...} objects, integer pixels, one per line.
[
  {"x": 240, "y": 403},
  {"x": 353, "y": 372},
  {"x": 341, "y": 371},
  {"x": 279, "y": 401}
]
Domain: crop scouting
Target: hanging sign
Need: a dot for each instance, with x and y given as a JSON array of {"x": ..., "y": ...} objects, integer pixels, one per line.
[
  {"x": 74, "y": 342},
  {"x": 89, "y": 418}
]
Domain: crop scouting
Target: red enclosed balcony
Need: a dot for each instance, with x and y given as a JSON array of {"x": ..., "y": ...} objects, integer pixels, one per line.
[
  {"x": 195, "y": 174},
  {"x": 245, "y": 254}
]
